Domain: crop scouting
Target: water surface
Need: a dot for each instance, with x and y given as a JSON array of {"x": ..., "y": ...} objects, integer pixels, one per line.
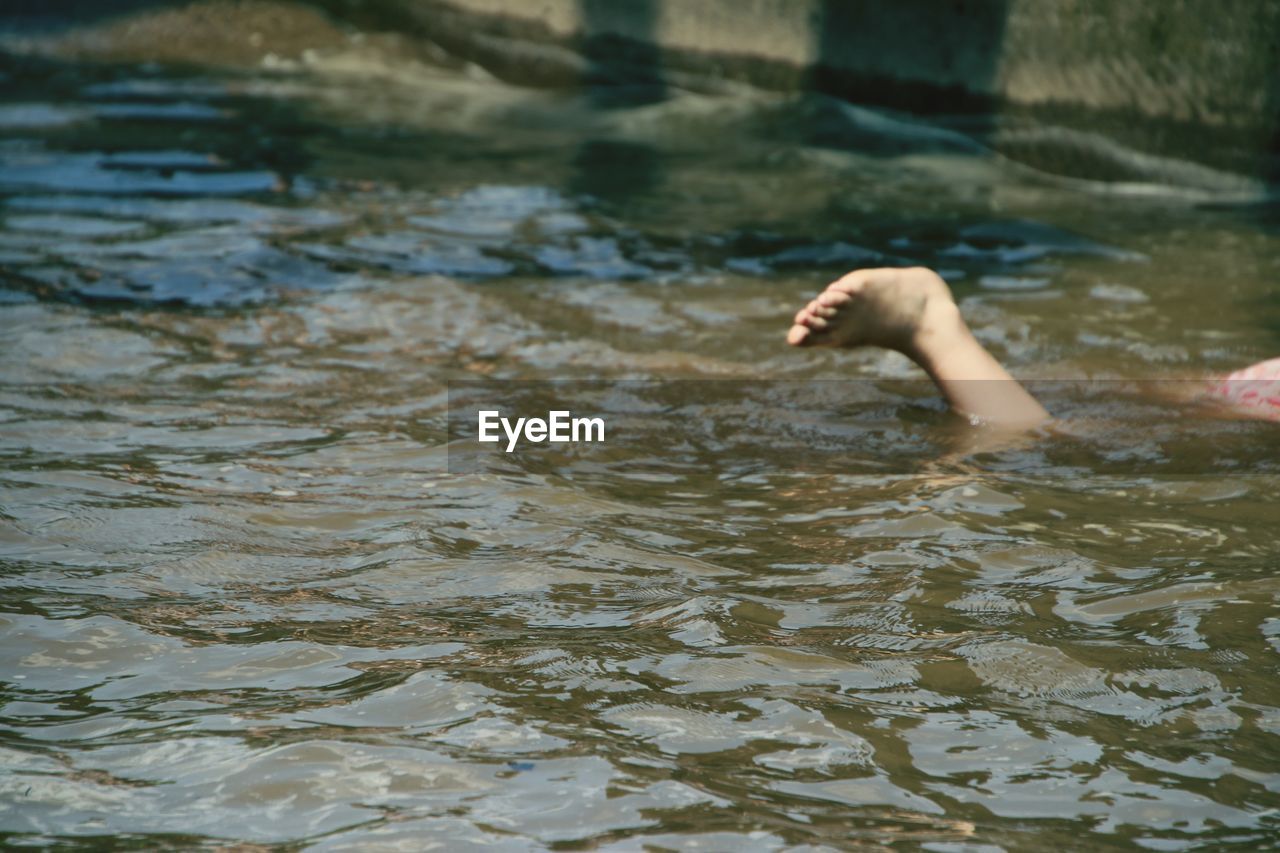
[{"x": 248, "y": 599}]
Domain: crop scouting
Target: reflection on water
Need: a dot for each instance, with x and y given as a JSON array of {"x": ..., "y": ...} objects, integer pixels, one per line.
[{"x": 247, "y": 598}]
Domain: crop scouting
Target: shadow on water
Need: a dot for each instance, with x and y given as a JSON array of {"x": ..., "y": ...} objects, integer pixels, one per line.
[
  {"x": 58, "y": 15},
  {"x": 614, "y": 171},
  {"x": 923, "y": 40},
  {"x": 623, "y": 71},
  {"x": 1270, "y": 151},
  {"x": 620, "y": 44}
]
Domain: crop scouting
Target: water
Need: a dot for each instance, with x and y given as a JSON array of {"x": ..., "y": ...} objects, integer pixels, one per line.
[{"x": 247, "y": 598}]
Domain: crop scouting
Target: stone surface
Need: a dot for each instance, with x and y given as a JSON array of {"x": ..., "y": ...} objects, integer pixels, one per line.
[{"x": 1180, "y": 79}]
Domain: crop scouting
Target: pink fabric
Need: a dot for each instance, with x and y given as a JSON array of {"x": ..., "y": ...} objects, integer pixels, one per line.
[{"x": 1253, "y": 391}]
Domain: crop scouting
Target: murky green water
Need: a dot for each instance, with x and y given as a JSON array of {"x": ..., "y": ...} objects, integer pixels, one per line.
[{"x": 247, "y": 599}]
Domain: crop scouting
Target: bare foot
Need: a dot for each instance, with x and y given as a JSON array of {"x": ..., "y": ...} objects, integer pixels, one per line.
[
  {"x": 892, "y": 308},
  {"x": 911, "y": 311}
]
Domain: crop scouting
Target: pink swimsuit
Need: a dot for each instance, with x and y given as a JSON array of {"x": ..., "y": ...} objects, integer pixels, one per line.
[{"x": 1254, "y": 391}]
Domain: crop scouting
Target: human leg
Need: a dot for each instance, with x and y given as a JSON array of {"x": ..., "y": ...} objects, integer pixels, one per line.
[{"x": 912, "y": 311}]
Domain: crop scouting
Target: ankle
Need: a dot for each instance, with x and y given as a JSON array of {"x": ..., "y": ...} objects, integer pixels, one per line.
[{"x": 941, "y": 328}]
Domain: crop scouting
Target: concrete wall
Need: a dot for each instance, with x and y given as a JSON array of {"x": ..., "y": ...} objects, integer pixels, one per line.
[
  {"x": 924, "y": 45},
  {"x": 1184, "y": 78},
  {"x": 1193, "y": 80},
  {"x": 1215, "y": 60}
]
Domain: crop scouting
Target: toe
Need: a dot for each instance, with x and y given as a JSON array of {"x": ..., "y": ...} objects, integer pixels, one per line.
[
  {"x": 850, "y": 283},
  {"x": 833, "y": 298},
  {"x": 798, "y": 336},
  {"x": 813, "y": 309}
]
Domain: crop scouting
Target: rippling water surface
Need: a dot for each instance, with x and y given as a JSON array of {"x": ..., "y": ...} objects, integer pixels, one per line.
[{"x": 247, "y": 599}]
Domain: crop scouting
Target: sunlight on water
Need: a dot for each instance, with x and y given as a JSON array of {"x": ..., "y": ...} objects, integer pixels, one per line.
[{"x": 251, "y": 596}]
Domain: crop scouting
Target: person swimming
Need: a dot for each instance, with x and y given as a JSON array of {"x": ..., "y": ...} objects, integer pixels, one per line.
[{"x": 911, "y": 310}]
